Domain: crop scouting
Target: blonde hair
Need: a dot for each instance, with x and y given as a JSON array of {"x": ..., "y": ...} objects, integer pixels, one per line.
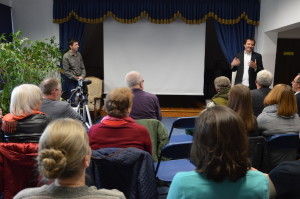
[
  {"x": 283, "y": 96},
  {"x": 24, "y": 99},
  {"x": 62, "y": 147},
  {"x": 118, "y": 101}
]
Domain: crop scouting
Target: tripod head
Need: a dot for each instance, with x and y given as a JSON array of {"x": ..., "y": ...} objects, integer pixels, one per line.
[{"x": 81, "y": 91}]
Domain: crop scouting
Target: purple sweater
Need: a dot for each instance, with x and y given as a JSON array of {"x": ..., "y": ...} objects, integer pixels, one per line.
[{"x": 145, "y": 105}]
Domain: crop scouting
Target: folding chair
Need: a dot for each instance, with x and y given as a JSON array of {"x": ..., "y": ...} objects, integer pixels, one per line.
[
  {"x": 179, "y": 153},
  {"x": 182, "y": 123},
  {"x": 258, "y": 152},
  {"x": 282, "y": 147},
  {"x": 129, "y": 170}
]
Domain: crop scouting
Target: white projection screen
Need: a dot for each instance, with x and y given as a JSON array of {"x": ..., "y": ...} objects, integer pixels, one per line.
[{"x": 169, "y": 56}]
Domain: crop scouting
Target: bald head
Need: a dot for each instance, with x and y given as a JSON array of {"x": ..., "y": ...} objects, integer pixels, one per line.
[{"x": 134, "y": 79}]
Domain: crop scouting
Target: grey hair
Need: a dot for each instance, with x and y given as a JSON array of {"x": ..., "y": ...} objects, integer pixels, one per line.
[
  {"x": 264, "y": 78},
  {"x": 133, "y": 78},
  {"x": 24, "y": 99},
  {"x": 221, "y": 82}
]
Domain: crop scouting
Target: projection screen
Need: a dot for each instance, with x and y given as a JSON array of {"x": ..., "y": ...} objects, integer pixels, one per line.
[{"x": 169, "y": 56}]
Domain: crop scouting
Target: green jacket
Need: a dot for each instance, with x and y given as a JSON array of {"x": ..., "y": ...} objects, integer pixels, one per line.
[
  {"x": 158, "y": 134},
  {"x": 221, "y": 98}
]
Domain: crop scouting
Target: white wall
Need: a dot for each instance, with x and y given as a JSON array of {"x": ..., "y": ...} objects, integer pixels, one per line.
[
  {"x": 276, "y": 16},
  {"x": 34, "y": 19}
]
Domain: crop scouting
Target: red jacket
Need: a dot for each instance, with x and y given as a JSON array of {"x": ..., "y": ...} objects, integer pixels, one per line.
[
  {"x": 122, "y": 133},
  {"x": 17, "y": 167}
]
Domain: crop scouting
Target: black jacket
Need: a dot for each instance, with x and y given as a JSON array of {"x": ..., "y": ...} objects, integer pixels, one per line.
[
  {"x": 29, "y": 129},
  {"x": 252, "y": 73}
]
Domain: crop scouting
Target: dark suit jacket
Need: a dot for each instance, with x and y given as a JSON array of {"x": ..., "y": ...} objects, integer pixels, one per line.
[
  {"x": 251, "y": 71},
  {"x": 258, "y": 96},
  {"x": 298, "y": 102}
]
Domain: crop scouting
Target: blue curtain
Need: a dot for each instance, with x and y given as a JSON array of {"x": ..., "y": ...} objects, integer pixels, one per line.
[
  {"x": 157, "y": 11},
  {"x": 70, "y": 30},
  {"x": 231, "y": 37}
]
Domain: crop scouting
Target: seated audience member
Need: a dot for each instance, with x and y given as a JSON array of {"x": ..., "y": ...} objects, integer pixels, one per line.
[
  {"x": 64, "y": 154},
  {"x": 145, "y": 105},
  {"x": 296, "y": 88},
  {"x": 25, "y": 122},
  {"x": 240, "y": 101},
  {"x": 220, "y": 153},
  {"x": 264, "y": 80},
  {"x": 222, "y": 86},
  {"x": 117, "y": 129},
  {"x": 52, "y": 105},
  {"x": 280, "y": 114},
  {"x": 285, "y": 177}
]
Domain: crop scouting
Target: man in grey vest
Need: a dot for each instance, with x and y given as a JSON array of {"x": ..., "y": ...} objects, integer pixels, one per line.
[{"x": 52, "y": 105}]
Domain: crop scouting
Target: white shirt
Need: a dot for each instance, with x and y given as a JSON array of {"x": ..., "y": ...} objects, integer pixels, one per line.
[{"x": 247, "y": 59}]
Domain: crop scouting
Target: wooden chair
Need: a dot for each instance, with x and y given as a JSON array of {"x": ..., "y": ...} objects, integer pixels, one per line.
[{"x": 95, "y": 93}]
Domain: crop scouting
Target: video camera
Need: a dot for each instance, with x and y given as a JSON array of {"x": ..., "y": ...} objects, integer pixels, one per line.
[{"x": 82, "y": 84}]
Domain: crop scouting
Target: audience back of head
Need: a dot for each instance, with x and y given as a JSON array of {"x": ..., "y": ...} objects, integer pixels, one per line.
[
  {"x": 241, "y": 102},
  {"x": 24, "y": 99},
  {"x": 264, "y": 78},
  {"x": 62, "y": 148},
  {"x": 283, "y": 96},
  {"x": 118, "y": 102},
  {"x": 220, "y": 146},
  {"x": 221, "y": 83},
  {"x": 133, "y": 79},
  {"x": 48, "y": 85}
]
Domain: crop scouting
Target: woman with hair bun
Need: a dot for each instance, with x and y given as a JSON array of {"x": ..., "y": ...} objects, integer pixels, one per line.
[{"x": 64, "y": 154}]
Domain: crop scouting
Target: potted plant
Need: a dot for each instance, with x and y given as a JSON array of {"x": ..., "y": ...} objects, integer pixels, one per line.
[{"x": 25, "y": 61}]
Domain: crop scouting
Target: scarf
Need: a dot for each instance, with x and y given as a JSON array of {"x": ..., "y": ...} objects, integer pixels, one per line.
[
  {"x": 9, "y": 121},
  {"x": 114, "y": 121}
]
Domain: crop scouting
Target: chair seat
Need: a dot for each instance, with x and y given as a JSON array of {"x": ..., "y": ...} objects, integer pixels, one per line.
[
  {"x": 180, "y": 138},
  {"x": 168, "y": 169}
]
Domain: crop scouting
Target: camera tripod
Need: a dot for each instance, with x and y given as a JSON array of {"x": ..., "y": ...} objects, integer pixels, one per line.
[{"x": 82, "y": 108}]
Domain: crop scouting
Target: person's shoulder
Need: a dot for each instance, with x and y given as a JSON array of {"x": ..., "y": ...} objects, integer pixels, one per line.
[
  {"x": 256, "y": 54},
  {"x": 66, "y": 54},
  {"x": 287, "y": 167},
  {"x": 31, "y": 192},
  {"x": 105, "y": 193}
]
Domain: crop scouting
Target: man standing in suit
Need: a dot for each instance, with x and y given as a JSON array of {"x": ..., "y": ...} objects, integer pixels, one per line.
[
  {"x": 247, "y": 64},
  {"x": 264, "y": 79},
  {"x": 296, "y": 88}
]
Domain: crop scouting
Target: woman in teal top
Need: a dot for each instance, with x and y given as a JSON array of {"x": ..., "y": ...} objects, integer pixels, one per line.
[{"x": 220, "y": 153}]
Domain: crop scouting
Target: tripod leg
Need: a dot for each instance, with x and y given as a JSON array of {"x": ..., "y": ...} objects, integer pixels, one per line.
[{"x": 88, "y": 114}]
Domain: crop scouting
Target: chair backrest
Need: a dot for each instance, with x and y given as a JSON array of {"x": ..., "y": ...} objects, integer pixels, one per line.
[
  {"x": 17, "y": 167},
  {"x": 129, "y": 170},
  {"x": 183, "y": 123},
  {"x": 180, "y": 150},
  {"x": 95, "y": 90},
  {"x": 158, "y": 134},
  {"x": 258, "y": 152},
  {"x": 282, "y": 147}
]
